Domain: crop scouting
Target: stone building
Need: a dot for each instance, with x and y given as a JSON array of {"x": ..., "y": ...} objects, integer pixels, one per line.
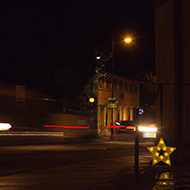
[
  {"x": 126, "y": 92},
  {"x": 172, "y": 38}
]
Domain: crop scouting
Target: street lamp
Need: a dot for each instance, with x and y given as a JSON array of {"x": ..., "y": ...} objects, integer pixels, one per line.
[{"x": 127, "y": 40}]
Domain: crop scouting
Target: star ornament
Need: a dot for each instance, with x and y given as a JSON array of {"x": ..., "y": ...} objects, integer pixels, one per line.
[{"x": 161, "y": 152}]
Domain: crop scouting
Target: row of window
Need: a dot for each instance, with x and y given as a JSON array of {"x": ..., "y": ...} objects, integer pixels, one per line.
[{"x": 128, "y": 86}]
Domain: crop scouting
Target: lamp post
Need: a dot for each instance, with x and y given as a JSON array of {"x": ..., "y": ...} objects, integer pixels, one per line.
[
  {"x": 127, "y": 40},
  {"x": 112, "y": 86}
]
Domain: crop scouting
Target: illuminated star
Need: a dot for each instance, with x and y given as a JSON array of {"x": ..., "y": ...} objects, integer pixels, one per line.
[{"x": 161, "y": 152}]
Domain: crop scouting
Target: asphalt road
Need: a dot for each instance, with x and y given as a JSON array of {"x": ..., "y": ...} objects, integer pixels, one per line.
[
  {"x": 44, "y": 156},
  {"x": 73, "y": 162},
  {"x": 106, "y": 162}
]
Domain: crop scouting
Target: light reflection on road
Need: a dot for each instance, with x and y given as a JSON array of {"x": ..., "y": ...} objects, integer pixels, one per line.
[{"x": 28, "y": 133}]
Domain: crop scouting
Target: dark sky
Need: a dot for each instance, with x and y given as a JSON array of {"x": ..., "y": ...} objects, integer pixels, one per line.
[{"x": 32, "y": 30}]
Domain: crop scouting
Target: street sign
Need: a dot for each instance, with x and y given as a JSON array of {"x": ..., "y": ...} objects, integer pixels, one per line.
[
  {"x": 111, "y": 105},
  {"x": 113, "y": 102},
  {"x": 116, "y": 102},
  {"x": 141, "y": 111},
  {"x": 112, "y": 98}
]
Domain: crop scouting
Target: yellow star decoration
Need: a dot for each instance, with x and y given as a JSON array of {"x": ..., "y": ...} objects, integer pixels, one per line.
[{"x": 165, "y": 152}]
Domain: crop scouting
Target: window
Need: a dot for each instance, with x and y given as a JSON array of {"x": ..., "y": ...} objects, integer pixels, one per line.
[
  {"x": 115, "y": 83},
  {"x": 121, "y": 84},
  {"x": 122, "y": 96},
  {"x": 136, "y": 87},
  {"x": 126, "y": 86},
  {"x": 131, "y": 86}
]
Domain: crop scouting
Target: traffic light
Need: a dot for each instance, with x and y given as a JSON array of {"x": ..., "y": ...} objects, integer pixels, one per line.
[{"x": 91, "y": 100}]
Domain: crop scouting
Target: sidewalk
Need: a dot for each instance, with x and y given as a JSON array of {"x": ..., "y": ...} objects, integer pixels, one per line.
[{"x": 158, "y": 177}]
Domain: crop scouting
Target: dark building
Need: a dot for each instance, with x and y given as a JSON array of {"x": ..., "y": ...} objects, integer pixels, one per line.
[
  {"x": 172, "y": 33},
  {"x": 22, "y": 106}
]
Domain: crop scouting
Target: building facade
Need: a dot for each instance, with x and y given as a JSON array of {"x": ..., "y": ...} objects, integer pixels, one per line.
[
  {"x": 125, "y": 91},
  {"x": 172, "y": 37}
]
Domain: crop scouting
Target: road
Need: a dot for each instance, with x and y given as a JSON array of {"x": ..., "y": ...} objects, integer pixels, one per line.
[{"x": 94, "y": 165}]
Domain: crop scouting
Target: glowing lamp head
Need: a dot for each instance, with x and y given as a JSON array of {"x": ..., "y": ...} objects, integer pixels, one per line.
[
  {"x": 91, "y": 100},
  {"x": 127, "y": 40}
]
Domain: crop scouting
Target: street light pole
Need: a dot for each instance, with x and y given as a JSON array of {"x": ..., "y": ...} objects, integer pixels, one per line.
[
  {"x": 112, "y": 85},
  {"x": 127, "y": 40}
]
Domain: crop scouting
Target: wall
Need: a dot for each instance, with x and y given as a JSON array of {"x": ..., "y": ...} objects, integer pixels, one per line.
[
  {"x": 28, "y": 111},
  {"x": 172, "y": 27}
]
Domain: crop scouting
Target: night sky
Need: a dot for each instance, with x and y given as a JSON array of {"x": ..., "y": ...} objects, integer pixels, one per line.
[{"x": 39, "y": 38}]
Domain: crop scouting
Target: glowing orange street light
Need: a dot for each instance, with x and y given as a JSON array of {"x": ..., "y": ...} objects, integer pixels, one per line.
[{"x": 127, "y": 40}]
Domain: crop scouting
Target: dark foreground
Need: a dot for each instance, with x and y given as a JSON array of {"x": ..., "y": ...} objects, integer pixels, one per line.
[{"x": 57, "y": 162}]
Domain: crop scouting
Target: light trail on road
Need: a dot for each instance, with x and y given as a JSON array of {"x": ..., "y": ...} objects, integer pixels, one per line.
[{"x": 32, "y": 133}]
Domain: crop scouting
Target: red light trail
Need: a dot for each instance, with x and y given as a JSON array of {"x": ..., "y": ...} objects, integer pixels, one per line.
[
  {"x": 67, "y": 127},
  {"x": 119, "y": 127}
]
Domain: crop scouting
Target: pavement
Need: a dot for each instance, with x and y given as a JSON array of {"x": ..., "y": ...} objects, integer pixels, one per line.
[{"x": 156, "y": 177}]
